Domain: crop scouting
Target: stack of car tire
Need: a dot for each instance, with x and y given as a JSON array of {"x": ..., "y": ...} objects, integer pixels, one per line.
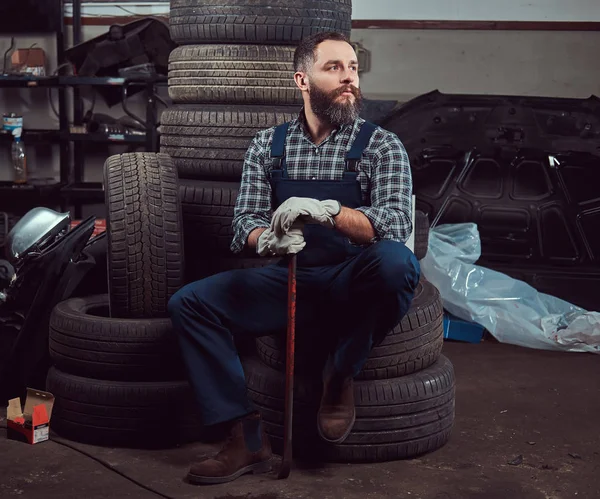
[
  {"x": 118, "y": 376},
  {"x": 117, "y": 372},
  {"x": 232, "y": 76},
  {"x": 404, "y": 394}
]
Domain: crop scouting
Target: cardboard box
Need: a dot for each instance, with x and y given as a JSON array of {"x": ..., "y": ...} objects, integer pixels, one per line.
[
  {"x": 31, "y": 424},
  {"x": 461, "y": 330},
  {"x": 31, "y": 60}
]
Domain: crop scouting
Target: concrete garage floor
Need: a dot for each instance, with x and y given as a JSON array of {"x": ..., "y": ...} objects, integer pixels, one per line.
[{"x": 511, "y": 402}]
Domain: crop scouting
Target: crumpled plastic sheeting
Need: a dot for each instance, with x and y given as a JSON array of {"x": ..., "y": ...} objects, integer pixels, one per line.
[{"x": 511, "y": 310}]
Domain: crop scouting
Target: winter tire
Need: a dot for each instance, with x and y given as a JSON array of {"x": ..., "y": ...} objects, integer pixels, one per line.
[
  {"x": 412, "y": 345},
  {"x": 396, "y": 418},
  {"x": 240, "y": 21},
  {"x": 234, "y": 74},
  {"x": 86, "y": 342},
  {"x": 143, "y": 222}
]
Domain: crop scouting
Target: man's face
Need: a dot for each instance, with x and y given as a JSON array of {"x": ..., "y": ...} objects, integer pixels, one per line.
[{"x": 333, "y": 86}]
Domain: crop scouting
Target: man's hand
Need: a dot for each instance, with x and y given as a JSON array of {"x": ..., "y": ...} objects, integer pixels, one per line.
[
  {"x": 308, "y": 209},
  {"x": 292, "y": 242}
]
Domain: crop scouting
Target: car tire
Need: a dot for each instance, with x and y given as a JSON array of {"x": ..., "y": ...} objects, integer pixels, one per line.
[
  {"x": 123, "y": 413},
  {"x": 414, "y": 344},
  {"x": 273, "y": 21},
  {"x": 207, "y": 215},
  {"x": 207, "y": 208},
  {"x": 210, "y": 142},
  {"x": 233, "y": 74},
  {"x": 421, "y": 234},
  {"x": 202, "y": 269},
  {"x": 144, "y": 227},
  {"x": 85, "y": 341},
  {"x": 396, "y": 418}
]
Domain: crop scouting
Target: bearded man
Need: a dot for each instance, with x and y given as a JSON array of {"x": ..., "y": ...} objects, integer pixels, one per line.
[{"x": 337, "y": 191}]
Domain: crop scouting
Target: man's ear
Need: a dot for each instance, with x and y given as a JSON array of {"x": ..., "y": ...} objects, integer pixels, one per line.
[{"x": 301, "y": 80}]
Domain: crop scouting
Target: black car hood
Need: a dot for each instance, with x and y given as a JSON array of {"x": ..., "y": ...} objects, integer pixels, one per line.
[
  {"x": 525, "y": 169},
  {"x": 485, "y": 121}
]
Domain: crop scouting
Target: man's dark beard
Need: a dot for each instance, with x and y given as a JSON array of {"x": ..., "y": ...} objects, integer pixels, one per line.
[{"x": 327, "y": 108}]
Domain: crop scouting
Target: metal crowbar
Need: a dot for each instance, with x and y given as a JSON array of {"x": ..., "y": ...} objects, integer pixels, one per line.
[{"x": 286, "y": 463}]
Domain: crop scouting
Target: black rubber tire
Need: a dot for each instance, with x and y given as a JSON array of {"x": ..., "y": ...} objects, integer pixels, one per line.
[
  {"x": 210, "y": 142},
  {"x": 273, "y": 21},
  {"x": 396, "y": 418},
  {"x": 207, "y": 208},
  {"x": 144, "y": 227},
  {"x": 207, "y": 215},
  {"x": 411, "y": 346},
  {"x": 110, "y": 348},
  {"x": 123, "y": 413},
  {"x": 421, "y": 234},
  {"x": 234, "y": 74},
  {"x": 200, "y": 268}
]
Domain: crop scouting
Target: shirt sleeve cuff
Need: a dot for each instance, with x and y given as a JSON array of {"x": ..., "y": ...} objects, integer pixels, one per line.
[
  {"x": 244, "y": 229},
  {"x": 380, "y": 219}
]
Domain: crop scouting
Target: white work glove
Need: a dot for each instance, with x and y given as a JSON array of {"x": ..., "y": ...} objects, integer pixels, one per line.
[
  {"x": 270, "y": 244},
  {"x": 308, "y": 209}
]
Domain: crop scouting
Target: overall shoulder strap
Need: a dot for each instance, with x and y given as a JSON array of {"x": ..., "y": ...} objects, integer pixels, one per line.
[
  {"x": 278, "y": 144},
  {"x": 358, "y": 146}
]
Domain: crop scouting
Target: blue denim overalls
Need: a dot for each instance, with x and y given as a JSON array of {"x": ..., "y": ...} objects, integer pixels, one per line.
[
  {"x": 348, "y": 296},
  {"x": 323, "y": 245}
]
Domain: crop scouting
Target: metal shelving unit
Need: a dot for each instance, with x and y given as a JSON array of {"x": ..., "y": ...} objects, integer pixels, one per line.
[
  {"x": 70, "y": 174},
  {"x": 71, "y": 189}
]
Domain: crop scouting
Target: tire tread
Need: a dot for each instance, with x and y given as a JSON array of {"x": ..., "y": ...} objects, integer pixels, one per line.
[{"x": 145, "y": 241}]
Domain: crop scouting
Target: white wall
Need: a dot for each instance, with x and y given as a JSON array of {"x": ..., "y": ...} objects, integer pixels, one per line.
[
  {"x": 452, "y": 10},
  {"x": 406, "y": 63},
  {"x": 478, "y": 10}
]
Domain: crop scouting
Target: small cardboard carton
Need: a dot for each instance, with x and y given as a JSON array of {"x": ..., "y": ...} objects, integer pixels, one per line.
[
  {"x": 31, "y": 424},
  {"x": 30, "y": 60}
]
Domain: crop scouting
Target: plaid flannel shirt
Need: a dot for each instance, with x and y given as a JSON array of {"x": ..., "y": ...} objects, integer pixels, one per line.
[{"x": 384, "y": 176}]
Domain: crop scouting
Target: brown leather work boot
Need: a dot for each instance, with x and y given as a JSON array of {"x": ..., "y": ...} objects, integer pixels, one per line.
[
  {"x": 337, "y": 413},
  {"x": 246, "y": 450}
]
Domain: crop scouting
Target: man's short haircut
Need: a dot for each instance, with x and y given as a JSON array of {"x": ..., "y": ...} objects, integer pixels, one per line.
[{"x": 304, "y": 57}]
